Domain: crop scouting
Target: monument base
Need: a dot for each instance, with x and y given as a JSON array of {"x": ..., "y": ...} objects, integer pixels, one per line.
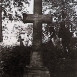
[
  {"x": 36, "y": 68},
  {"x": 37, "y": 72}
]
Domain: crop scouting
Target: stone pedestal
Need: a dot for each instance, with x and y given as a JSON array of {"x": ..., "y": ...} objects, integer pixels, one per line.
[
  {"x": 37, "y": 72},
  {"x": 36, "y": 68}
]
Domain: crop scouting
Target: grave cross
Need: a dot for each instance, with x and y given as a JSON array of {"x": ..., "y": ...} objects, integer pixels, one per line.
[
  {"x": 37, "y": 19},
  {"x": 21, "y": 41}
]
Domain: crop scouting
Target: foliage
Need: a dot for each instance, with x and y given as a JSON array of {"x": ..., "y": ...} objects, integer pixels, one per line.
[
  {"x": 12, "y": 8},
  {"x": 56, "y": 60},
  {"x": 61, "y": 10},
  {"x": 15, "y": 60}
]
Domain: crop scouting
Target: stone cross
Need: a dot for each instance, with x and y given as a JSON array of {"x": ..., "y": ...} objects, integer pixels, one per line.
[{"x": 37, "y": 19}]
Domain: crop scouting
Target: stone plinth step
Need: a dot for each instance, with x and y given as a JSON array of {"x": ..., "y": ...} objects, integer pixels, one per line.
[{"x": 37, "y": 72}]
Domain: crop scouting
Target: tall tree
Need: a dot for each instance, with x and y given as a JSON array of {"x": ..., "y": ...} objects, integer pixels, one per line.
[{"x": 13, "y": 10}]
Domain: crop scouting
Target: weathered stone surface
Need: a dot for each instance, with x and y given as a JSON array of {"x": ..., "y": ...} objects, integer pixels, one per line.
[
  {"x": 36, "y": 60},
  {"x": 32, "y": 18},
  {"x": 37, "y": 72},
  {"x": 36, "y": 68}
]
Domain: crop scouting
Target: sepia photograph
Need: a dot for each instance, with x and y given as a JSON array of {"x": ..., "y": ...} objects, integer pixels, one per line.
[{"x": 38, "y": 38}]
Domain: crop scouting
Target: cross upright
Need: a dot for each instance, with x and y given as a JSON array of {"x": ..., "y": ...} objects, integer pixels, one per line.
[{"x": 37, "y": 19}]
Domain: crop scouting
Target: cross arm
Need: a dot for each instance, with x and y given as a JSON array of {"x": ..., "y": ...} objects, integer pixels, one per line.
[
  {"x": 30, "y": 18},
  {"x": 46, "y": 18}
]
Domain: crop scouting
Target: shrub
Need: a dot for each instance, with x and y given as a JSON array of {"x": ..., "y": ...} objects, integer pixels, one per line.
[{"x": 14, "y": 60}]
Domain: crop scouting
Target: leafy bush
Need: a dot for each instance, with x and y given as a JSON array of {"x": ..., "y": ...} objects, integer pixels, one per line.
[{"x": 14, "y": 60}]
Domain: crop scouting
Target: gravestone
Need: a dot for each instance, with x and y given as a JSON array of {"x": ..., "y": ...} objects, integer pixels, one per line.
[
  {"x": 36, "y": 68},
  {"x": 21, "y": 41}
]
